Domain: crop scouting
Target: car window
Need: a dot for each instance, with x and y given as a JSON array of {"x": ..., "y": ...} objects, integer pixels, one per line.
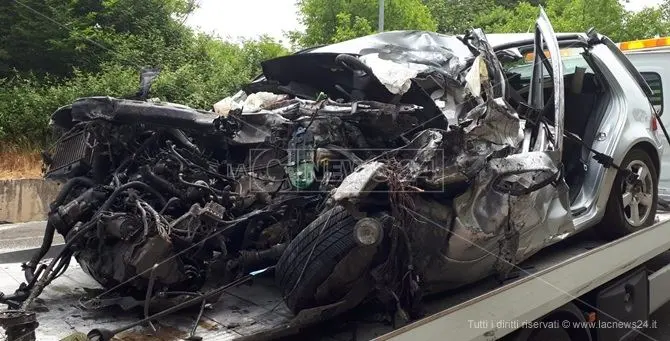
[
  {"x": 525, "y": 70},
  {"x": 654, "y": 81}
]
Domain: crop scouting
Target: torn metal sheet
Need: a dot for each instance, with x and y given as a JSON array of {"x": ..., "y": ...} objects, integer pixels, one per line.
[
  {"x": 496, "y": 123},
  {"x": 362, "y": 180},
  {"x": 547, "y": 31},
  {"x": 407, "y": 46},
  {"x": 500, "y": 202}
]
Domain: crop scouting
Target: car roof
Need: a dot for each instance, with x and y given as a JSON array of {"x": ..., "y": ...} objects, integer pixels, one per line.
[
  {"x": 403, "y": 40},
  {"x": 421, "y": 41},
  {"x": 500, "y": 39}
]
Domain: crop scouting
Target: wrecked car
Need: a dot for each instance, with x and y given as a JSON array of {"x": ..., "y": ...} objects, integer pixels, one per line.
[
  {"x": 546, "y": 135},
  {"x": 386, "y": 167}
]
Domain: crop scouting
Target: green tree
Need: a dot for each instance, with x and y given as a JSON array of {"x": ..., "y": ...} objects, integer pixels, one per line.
[
  {"x": 513, "y": 3},
  {"x": 457, "y": 16},
  {"x": 503, "y": 20},
  {"x": 54, "y": 51},
  {"x": 52, "y": 36},
  {"x": 348, "y": 27},
  {"x": 329, "y": 21},
  {"x": 607, "y": 16},
  {"x": 647, "y": 23},
  {"x": 22, "y": 33}
]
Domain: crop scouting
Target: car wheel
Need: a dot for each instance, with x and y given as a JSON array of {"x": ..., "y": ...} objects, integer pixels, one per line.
[
  {"x": 313, "y": 256},
  {"x": 631, "y": 207}
]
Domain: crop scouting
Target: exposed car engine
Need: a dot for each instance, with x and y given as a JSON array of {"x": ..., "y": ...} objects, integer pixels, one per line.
[{"x": 159, "y": 196}]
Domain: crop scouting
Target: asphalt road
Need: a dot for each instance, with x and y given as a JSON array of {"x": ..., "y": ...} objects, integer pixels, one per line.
[{"x": 23, "y": 236}]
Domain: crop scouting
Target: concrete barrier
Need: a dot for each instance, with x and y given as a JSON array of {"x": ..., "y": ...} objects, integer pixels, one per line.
[{"x": 26, "y": 200}]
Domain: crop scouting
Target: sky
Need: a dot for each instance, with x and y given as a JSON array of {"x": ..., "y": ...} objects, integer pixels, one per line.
[
  {"x": 636, "y": 5},
  {"x": 232, "y": 19}
]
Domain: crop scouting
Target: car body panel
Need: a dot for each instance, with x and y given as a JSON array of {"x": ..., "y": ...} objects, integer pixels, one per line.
[
  {"x": 515, "y": 205},
  {"x": 627, "y": 125}
]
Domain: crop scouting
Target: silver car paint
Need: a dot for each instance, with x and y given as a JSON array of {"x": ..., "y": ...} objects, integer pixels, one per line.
[
  {"x": 514, "y": 205},
  {"x": 626, "y": 125}
]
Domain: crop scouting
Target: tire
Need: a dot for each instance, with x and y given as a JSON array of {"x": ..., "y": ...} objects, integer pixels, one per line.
[
  {"x": 312, "y": 256},
  {"x": 620, "y": 218}
]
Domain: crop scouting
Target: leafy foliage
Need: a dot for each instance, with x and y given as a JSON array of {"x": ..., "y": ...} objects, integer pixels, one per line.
[
  {"x": 26, "y": 101},
  {"x": 329, "y": 21},
  {"x": 53, "y": 52},
  {"x": 55, "y": 36},
  {"x": 456, "y": 16},
  {"x": 505, "y": 16},
  {"x": 646, "y": 23}
]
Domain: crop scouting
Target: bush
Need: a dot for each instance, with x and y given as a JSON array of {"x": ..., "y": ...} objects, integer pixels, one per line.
[
  {"x": 215, "y": 70},
  {"x": 26, "y": 101}
]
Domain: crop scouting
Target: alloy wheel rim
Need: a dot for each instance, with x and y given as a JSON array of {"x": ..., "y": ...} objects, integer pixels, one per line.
[{"x": 637, "y": 198}]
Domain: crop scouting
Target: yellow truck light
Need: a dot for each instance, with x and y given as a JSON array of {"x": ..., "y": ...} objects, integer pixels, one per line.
[{"x": 644, "y": 44}]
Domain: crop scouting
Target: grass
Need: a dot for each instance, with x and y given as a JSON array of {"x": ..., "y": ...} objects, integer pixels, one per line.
[{"x": 20, "y": 164}]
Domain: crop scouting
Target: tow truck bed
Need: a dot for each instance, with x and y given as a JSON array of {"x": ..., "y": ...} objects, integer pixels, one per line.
[{"x": 548, "y": 280}]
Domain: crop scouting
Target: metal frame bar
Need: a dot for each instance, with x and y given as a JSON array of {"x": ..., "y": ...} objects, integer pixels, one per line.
[
  {"x": 659, "y": 282},
  {"x": 533, "y": 297}
]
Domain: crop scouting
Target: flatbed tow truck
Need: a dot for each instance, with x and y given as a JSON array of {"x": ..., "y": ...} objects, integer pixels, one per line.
[{"x": 598, "y": 290}]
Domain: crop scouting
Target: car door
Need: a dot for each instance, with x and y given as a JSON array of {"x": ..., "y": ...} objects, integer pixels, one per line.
[
  {"x": 553, "y": 65},
  {"x": 543, "y": 143}
]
